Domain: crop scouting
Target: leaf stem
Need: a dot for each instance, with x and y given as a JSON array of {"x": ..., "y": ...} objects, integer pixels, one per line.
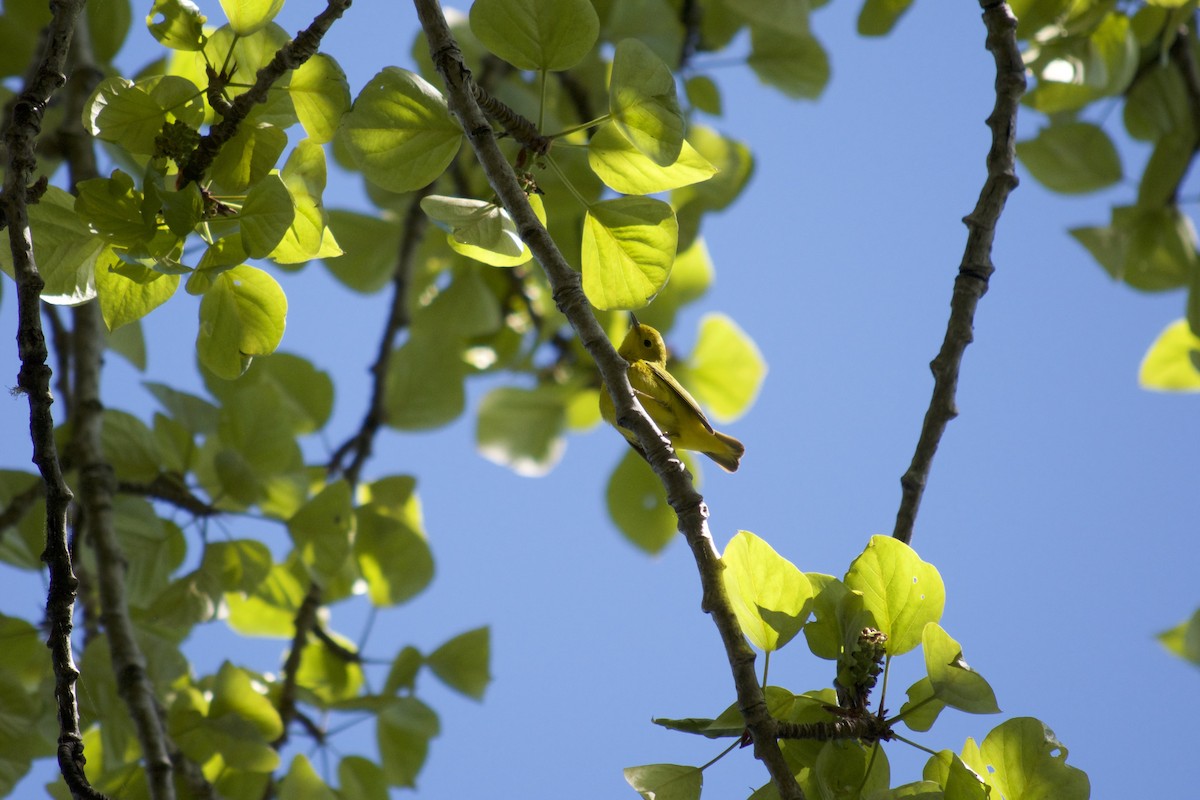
[{"x": 567, "y": 181}]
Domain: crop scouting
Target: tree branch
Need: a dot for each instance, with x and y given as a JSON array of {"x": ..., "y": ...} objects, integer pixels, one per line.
[
  {"x": 976, "y": 267},
  {"x": 568, "y": 295},
  {"x": 290, "y": 56},
  {"x": 34, "y": 379},
  {"x": 98, "y": 482},
  {"x": 306, "y": 619},
  {"x": 359, "y": 446}
]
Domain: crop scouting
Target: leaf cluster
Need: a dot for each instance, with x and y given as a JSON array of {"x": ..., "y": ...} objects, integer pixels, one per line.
[{"x": 886, "y": 606}]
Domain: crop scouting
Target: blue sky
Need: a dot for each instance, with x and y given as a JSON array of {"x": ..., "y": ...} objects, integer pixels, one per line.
[{"x": 1060, "y": 510}]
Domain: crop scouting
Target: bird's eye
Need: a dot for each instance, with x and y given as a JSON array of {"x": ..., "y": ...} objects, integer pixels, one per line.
[{"x": 645, "y": 343}]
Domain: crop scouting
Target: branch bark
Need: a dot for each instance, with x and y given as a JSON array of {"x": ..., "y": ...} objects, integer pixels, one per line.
[
  {"x": 290, "y": 56},
  {"x": 34, "y": 379},
  {"x": 568, "y": 295},
  {"x": 976, "y": 267}
]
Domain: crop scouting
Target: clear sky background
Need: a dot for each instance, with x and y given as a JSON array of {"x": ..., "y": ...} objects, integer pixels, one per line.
[{"x": 1061, "y": 510}]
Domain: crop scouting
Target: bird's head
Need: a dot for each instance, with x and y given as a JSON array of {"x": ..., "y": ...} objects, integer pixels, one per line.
[{"x": 643, "y": 343}]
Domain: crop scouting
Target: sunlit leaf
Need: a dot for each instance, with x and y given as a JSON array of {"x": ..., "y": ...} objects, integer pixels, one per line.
[
  {"x": 953, "y": 682},
  {"x": 241, "y": 316},
  {"x": 625, "y": 169},
  {"x": 522, "y": 429},
  {"x": 901, "y": 591},
  {"x": 665, "y": 781},
  {"x": 462, "y": 662},
  {"x": 725, "y": 370},
  {"x": 1071, "y": 157},
  {"x": 770, "y": 597},
  {"x": 248, "y": 16},
  {"x": 549, "y": 35},
  {"x": 399, "y": 131},
  {"x": 628, "y": 248},
  {"x": 643, "y": 102}
]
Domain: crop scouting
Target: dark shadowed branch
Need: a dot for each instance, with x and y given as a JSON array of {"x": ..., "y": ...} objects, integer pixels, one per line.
[
  {"x": 20, "y": 138},
  {"x": 976, "y": 268},
  {"x": 568, "y": 295}
]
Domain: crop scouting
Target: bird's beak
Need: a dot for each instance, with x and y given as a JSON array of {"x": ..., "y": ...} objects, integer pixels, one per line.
[{"x": 633, "y": 320}]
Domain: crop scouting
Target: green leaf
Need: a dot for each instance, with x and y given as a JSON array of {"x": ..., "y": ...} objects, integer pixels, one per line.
[
  {"x": 1172, "y": 364},
  {"x": 878, "y": 17},
  {"x": 425, "y": 383},
  {"x": 301, "y": 395},
  {"x": 321, "y": 96},
  {"x": 770, "y": 597},
  {"x": 129, "y": 446},
  {"x": 794, "y": 63},
  {"x": 954, "y": 778},
  {"x": 403, "y": 672},
  {"x": 361, "y": 779},
  {"x": 725, "y": 370},
  {"x": 237, "y": 565},
  {"x": 467, "y": 308},
  {"x": 1071, "y": 157},
  {"x": 628, "y": 248},
  {"x": 323, "y": 531},
  {"x": 665, "y": 781},
  {"x": 1076, "y": 70},
  {"x": 691, "y": 275},
  {"x": 133, "y": 115},
  {"x": 177, "y": 24},
  {"x": 399, "y": 132},
  {"x": 303, "y": 783},
  {"x": 784, "y": 15},
  {"x": 522, "y": 429},
  {"x": 270, "y": 608},
  {"x": 703, "y": 94},
  {"x": 551, "y": 35},
  {"x": 638, "y": 506},
  {"x": 392, "y": 554},
  {"x": 182, "y": 210},
  {"x": 309, "y": 236},
  {"x": 364, "y": 268},
  {"x": 234, "y": 694},
  {"x": 247, "y": 158},
  {"x": 1030, "y": 762},
  {"x": 66, "y": 251},
  {"x": 643, "y": 102},
  {"x": 403, "y": 730},
  {"x": 625, "y": 169},
  {"x": 266, "y": 216},
  {"x": 1184, "y": 639},
  {"x": 1157, "y": 104},
  {"x": 22, "y": 542},
  {"x": 655, "y": 23},
  {"x": 326, "y": 677},
  {"x": 953, "y": 682},
  {"x": 480, "y": 230},
  {"x": 124, "y": 300},
  {"x": 112, "y": 207},
  {"x": 1166, "y": 169},
  {"x": 196, "y": 414},
  {"x": 248, "y": 16},
  {"x": 20, "y": 26},
  {"x": 901, "y": 591},
  {"x": 1151, "y": 249},
  {"x": 129, "y": 343},
  {"x": 922, "y": 708},
  {"x": 462, "y": 662},
  {"x": 241, "y": 316},
  {"x": 734, "y": 165}
]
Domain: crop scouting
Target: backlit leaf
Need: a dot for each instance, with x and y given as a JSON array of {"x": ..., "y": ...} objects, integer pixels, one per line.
[{"x": 628, "y": 248}]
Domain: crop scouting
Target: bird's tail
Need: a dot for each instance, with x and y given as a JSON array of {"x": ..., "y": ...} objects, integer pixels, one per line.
[{"x": 729, "y": 454}]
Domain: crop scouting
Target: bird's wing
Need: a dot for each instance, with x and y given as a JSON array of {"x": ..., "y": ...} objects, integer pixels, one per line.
[{"x": 673, "y": 385}]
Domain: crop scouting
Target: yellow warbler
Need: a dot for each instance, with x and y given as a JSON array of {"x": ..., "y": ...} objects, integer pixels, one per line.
[{"x": 670, "y": 406}]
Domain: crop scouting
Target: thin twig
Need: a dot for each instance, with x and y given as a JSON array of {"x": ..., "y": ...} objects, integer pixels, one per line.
[
  {"x": 976, "y": 267},
  {"x": 170, "y": 490},
  {"x": 290, "y": 56},
  {"x": 34, "y": 379},
  {"x": 306, "y": 618},
  {"x": 568, "y": 295}
]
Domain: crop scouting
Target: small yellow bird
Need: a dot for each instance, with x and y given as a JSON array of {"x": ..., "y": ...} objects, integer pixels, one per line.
[{"x": 670, "y": 406}]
